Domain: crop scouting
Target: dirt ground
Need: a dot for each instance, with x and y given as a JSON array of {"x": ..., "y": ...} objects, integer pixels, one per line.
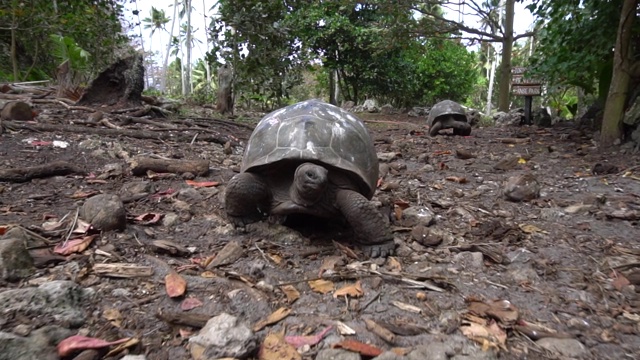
[{"x": 564, "y": 265}]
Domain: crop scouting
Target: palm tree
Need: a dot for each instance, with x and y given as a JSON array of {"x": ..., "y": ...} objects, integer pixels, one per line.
[
  {"x": 491, "y": 22},
  {"x": 163, "y": 82},
  {"x": 157, "y": 21}
]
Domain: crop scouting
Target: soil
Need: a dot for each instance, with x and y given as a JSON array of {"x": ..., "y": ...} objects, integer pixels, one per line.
[{"x": 566, "y": 262}]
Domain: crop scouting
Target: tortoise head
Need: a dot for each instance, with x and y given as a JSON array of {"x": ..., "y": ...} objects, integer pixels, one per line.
[{"x": 309, "y": 183}]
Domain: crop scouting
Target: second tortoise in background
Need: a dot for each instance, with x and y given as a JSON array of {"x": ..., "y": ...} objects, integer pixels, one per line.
[{"x": 448, "y": 114}]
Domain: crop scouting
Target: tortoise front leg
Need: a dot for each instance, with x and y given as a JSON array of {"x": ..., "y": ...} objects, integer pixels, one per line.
[
  {"x": 372, "y": 232},
  {"x": 247, "y": 199},
  {"x": 461, "y": 128}
]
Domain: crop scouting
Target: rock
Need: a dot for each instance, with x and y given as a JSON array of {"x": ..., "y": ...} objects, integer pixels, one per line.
[
  {"x": 223, "y": 336},
  {"x": 135, "y": 188},
  {"x": 388, "y": 355},
  {"x": 454, "y": 347},
  {"x": 474, "y": 117},
  {"x": 15, "y": 261},
  {"x": 348, "y": 105},
  {"x": 17, "y": 110},
  {"x": 170, "y": 219},
  {"x": 387, "y": 109},
  {"x": 64, "y": 301},
  {"x": 190, "y": 195},
  {"x": 105, "y": 212},
  {"x": 541, "y": 117},
  {"x": 370, "y": 105},
  {"x": 420, "y": 111},
  {"x": 40, "y": 345},
  {"x": 571, "y": 348},
  {"x": 417, "y": 215},
  {"x": 134, "y": 357},
  {"x": 521, "y": 188},
  {"x": 632, "y": 115},
  {"x": 337, "y": 354},
  {"x": 514, "y": 117},
  {"x": 469, "y": 260},
  {"x": 89, "y": 354}
]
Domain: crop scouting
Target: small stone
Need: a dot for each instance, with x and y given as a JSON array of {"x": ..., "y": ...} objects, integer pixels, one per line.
[
  {"x": 388, "y": 355},
  {"x": 89, "y": 354},
  {"x": 22, "y": 330},
  {"x": 133, "y": 357},
  {"x": 104, "y": 212},
  {"x": 337, "y": 354},
  {"x": 571, "y": 348},
  {"x": 223, "y": 336},
  {"x": 170, "y": 219},
  {"x": 417, "y": 215},
  {"x": 469, "y": 260},
  {"x": 521, "y": 188},
  {"x": 15, "y": 261},
  {"x": 120, "y": 292}
]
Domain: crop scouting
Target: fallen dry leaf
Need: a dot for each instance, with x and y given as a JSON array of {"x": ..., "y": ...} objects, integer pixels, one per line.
[
  {"x": 530, "y": 229},
  {"x": 148, "y": 218},
  {"x": 503, "y": 310},
  {"x": 353, "y": 290},
  {"x": 175, "y": 284},
  {"x": 393, "y": 264},
  {"x": 299, "y": 341},
  {"x": 458, "y": 179},
  {"x": 329, "y": 264},
  {"x": 114, "y": 316},
  {"x": 74, "y": 245},
  {"x": 345, "y": 250},
  {"x": 81, "y": 227},
  {"x": 274, "y": 347},
  {"x": 356, "y": 346},
  {"x": 321, "y": 286},
  {"x": 273, "y": 318},
  {"x": 291, "y": 292},
  {"x": 75, "y": 343},
  {"x": 202, "y": 183},
  {"x": 406, "y": 307},
  {"x": 619, "y": 280},
  {"x": 121, "y": 347},
  {"x": 343, "y": 329},
  {"x": 190, "y": 303}
]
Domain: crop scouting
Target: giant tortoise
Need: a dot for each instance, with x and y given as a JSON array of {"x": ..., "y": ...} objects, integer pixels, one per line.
[
  {"x": 311, "y": 158},
  {"x": 448, "y": 114}
]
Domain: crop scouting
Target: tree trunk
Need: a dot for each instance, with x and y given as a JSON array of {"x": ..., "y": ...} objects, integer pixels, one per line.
[
  {"x": 225, "y": 89},
  {"x": 507, "y": 47},
  {"x": 188, "y": 65},
  {"x": 332, "y": 88},
  {"x": 492, "y": 77},
  {"x": 163, "y": 82},
  {"x": 614, "y": 107}
]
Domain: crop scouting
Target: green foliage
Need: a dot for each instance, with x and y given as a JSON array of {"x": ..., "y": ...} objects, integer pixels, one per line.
[
  {"x": 575, "y": 41},
  {"x": 263, "y": 52},
  {"x": 66, "y": 49},
  {"x": 93, "y": 25}
]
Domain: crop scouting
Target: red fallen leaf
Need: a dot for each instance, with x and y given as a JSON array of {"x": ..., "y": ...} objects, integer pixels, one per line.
[
  {"x": 164, "y": 193},
  {"x": 620, "y": 281},
  {"x": 73, "y": 245},
  {"x": 190, "y": 303},
  {"x": 202, "y": 183},
  {"x": 443, "y": 166},
  {"x": 442, "y": 152},
  {"x": 357, "y": 346},
  {"x": 299, "y": 341},
  {"x": 403, "y": 204},
  {"x": 3, "y": 229},
  {"x": 96, "y": 181},
  {"x": 379, "y": 182},
  {"x": 40, "y": 143},
  {"x": 175, "y": 284},
  {"x": 75, "y": 343},
  {"x": 148, "y": 218}
]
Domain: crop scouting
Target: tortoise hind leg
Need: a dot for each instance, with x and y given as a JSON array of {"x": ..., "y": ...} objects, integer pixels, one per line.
[
  {"x": 435, "y": 128},
  {"x": 372, "y": 232},
  {"x": 247, "y": 199}
]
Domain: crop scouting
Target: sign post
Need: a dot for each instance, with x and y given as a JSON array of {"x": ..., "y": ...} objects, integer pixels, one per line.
[{"x": 525, "y": 87}]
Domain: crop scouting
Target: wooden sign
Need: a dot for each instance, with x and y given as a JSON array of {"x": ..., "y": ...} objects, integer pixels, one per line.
[
  {"x": 524, "y": 86},
  {"x": 526, "y": 90}
]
